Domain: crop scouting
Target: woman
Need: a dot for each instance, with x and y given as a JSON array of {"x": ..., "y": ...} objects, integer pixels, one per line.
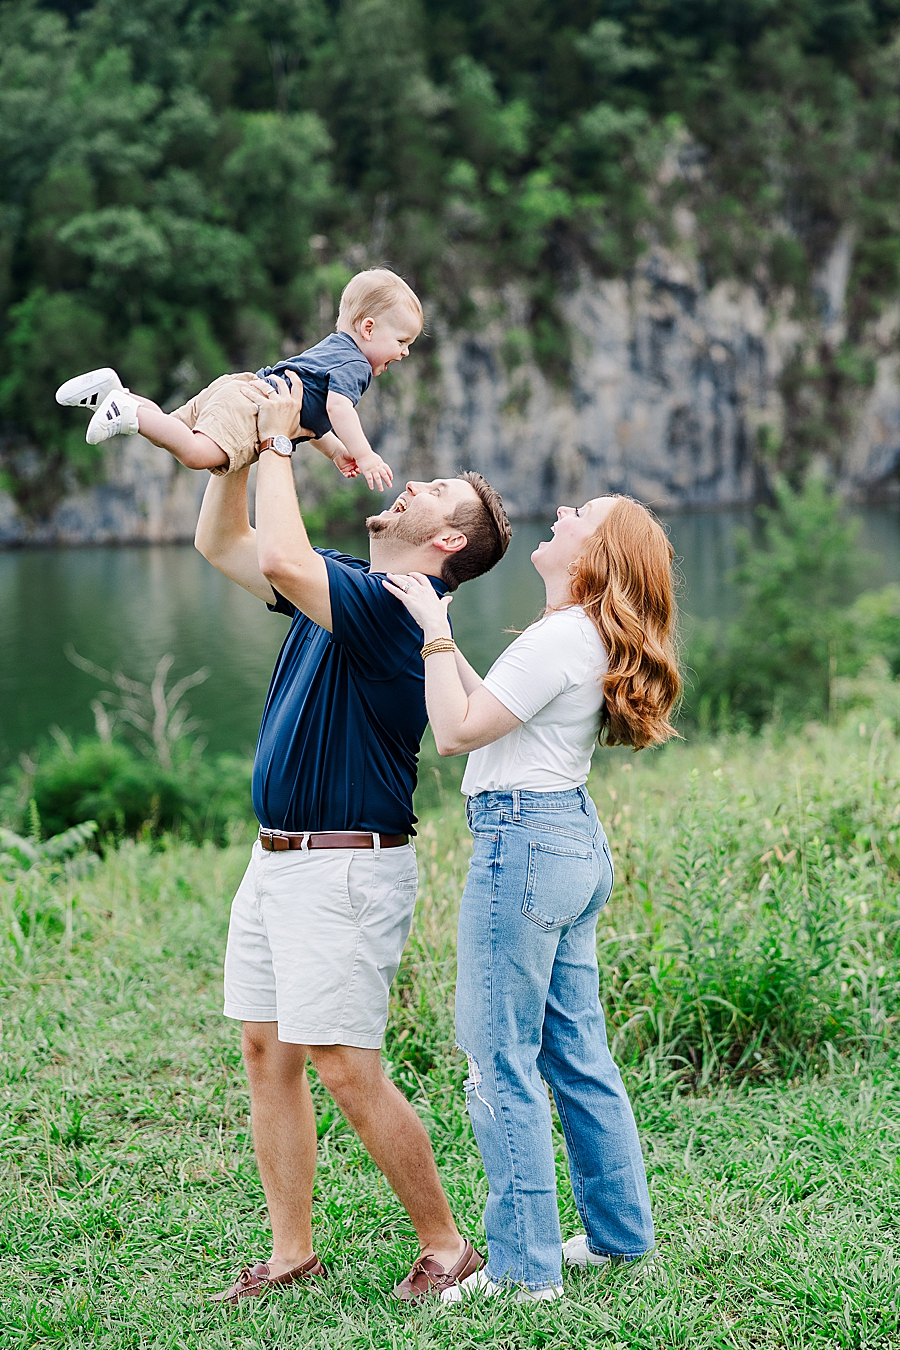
[{"x": 600, "y": 662}]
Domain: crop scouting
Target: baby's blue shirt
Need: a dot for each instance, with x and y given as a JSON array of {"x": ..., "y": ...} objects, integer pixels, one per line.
[{"x": 335, "y": 364}]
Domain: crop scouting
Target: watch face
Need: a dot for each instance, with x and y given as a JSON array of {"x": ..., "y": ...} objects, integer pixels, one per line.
[{"x": 282, "y": 445}]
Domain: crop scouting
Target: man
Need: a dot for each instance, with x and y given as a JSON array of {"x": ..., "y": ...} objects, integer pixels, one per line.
[{"x": 320, "y": 919}]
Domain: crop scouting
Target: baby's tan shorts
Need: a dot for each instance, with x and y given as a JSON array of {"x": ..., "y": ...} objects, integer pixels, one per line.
[{"x": 224, "y": 414}]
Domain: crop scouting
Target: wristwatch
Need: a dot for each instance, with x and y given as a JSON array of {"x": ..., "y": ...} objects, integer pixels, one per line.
[{"x": 282, "y": 445}]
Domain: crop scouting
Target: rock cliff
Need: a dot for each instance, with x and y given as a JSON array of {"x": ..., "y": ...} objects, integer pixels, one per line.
[{"x": 673, "y": 387}]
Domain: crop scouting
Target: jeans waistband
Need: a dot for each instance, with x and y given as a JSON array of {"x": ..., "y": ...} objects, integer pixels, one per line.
[{"x": 519, "y": 799}]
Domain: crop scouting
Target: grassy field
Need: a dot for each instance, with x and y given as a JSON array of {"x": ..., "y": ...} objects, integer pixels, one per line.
[{"x": 749, "y": 961}]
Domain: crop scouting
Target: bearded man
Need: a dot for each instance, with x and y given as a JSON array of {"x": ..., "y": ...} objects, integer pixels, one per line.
[{"x": 321, "y": 917}]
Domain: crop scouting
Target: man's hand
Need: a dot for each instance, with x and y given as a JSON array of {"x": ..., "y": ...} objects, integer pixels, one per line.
[{"x": 278, "y": 410}]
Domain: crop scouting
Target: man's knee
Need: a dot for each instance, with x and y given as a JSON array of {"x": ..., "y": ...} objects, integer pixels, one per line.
[
  {"x": 265, "y": 1055},
  {"x": 350, "y": 1075}
]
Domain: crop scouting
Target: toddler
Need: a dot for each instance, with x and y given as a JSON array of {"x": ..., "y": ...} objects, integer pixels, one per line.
[{"x": 379, "y": 319}]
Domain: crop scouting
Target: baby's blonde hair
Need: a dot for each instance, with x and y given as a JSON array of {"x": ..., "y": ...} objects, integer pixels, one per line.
[{"x": 375, "y": 292}]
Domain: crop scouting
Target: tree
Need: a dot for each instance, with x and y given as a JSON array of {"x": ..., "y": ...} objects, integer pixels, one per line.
[
  {"x": 191, "y": 181},
  {"x": 796, "y": 579}
]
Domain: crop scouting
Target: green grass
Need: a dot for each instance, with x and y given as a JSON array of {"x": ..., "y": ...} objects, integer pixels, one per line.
[{"x": 749, "y": 962}]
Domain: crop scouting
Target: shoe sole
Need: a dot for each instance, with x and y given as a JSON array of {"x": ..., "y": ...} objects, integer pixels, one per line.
[
  {"x": 479, "y": 1284},
  {"x": 602, "y": 1262},
  {"x": 90, "y": 390}
]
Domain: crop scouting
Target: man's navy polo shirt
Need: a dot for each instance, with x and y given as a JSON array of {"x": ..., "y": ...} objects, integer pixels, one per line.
[{"x": 345, "y": 712}]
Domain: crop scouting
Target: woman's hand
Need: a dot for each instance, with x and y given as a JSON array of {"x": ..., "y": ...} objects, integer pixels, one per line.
[
  {"x": 416, "y": 592},
  {"x": 461, "y": 720},
  {"x": 278, "y": 410}
]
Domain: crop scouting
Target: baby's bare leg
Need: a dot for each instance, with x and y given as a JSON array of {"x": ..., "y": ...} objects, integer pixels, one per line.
[{"x": 193, "y": 449}]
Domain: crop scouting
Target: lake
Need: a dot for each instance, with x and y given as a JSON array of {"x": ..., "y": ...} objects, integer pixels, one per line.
[{"x": 123, "y": 608}]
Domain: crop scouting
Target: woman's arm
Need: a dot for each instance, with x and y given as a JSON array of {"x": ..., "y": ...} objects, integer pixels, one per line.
[
  {"x": 462, "y": 719},
  {"x": 469, "y": 677}
]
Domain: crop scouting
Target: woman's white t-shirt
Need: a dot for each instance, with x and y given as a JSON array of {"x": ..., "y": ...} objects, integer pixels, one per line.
[{"x": 550, "y": 677}]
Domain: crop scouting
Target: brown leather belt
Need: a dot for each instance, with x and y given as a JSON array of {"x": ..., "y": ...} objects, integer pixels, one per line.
[{"x": 280, "y": 841}]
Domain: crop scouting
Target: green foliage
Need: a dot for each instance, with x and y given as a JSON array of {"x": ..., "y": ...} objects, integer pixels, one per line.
[
  {"x": 156, "y": 781},
  {"x": 22, "y": 855},
  {"x": 796, "y": 630},
  {"x": 875, "y": 617},
  {"x": 770, "y": 933},
  {"x": 37, "y": 874},
  {"x": 185, "y": 186},
  {"x": 129, "y": 794}
]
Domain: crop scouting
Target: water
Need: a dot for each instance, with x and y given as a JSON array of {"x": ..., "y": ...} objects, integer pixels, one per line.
[{"x": 124, "y": 607}]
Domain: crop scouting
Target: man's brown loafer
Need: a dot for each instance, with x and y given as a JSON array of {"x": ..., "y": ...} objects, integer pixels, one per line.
[
  {"x": 255, "y": 1280},
  {"x": 428, "y": 1277}
]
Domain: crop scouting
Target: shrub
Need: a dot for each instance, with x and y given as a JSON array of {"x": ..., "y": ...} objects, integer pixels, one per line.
[
  {"x": 127, "y": 794},
  {"x": 796, "y": 630}
]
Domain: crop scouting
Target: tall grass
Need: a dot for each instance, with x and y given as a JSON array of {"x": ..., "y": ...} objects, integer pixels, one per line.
[
  {"x": 752, "y": 936},
  {"x": 754, "y": 929}
]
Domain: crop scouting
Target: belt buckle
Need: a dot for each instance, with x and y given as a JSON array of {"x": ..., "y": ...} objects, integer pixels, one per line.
[{"x": 273, "y": 841}]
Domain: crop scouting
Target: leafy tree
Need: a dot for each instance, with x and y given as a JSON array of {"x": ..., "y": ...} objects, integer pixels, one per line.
[
  {"x": 797, "y": 580},
  {"x": 185, "y": 185}
]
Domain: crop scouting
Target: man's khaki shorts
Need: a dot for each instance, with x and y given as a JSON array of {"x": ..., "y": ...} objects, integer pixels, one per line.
[
  {"x": 224, "y": 414},
  {"x": 315, "y": 940}
]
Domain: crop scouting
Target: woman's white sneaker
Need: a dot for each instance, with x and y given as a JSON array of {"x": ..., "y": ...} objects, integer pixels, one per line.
[
  {"x": 88, "y": 390},
  {"x": 577, "y": 1253},
  {"x": 116, "y": 416},
  {"x": 479, "y": 1283}
]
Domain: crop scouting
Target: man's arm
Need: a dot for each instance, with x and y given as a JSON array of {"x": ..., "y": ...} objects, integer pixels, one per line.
[
  {"x": 286, "y": 558},
  {"x": 225, "y": 537}
]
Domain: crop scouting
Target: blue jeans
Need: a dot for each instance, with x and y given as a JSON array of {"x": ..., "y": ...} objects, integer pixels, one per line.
[{"x": 527, "y": 1009}]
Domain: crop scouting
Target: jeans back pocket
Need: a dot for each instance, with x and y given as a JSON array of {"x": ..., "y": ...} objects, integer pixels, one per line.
[{"x": 561, "y": 881}]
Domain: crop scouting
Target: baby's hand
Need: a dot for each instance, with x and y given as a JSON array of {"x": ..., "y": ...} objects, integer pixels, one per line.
[
  {"x": 344, "y": 462},
  {"x": 374, "y": 470}
]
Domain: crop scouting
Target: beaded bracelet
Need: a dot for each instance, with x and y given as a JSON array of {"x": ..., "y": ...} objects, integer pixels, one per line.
[{"x": 438, "y": 645}]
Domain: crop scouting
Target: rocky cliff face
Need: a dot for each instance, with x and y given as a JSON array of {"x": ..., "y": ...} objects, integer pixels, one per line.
[{"x": 673, "y": 387}]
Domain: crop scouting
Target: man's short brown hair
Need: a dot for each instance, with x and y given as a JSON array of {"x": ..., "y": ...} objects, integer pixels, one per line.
[{"x": 487, "y": 529}]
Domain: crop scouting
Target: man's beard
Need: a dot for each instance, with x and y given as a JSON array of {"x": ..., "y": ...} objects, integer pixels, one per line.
[{"x": 400, "y": 528}]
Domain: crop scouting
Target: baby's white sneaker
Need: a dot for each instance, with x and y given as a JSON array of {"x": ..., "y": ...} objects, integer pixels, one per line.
[
  {"x": 577, "y": 1253},
  {"x": 89, "y": 390},
  {"x": 480, "y": 1283},
  {"x": 116, "y": 416}
]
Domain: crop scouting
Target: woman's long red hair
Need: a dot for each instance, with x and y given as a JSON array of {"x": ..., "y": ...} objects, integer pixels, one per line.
[{"x": 625, "y": 585}]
